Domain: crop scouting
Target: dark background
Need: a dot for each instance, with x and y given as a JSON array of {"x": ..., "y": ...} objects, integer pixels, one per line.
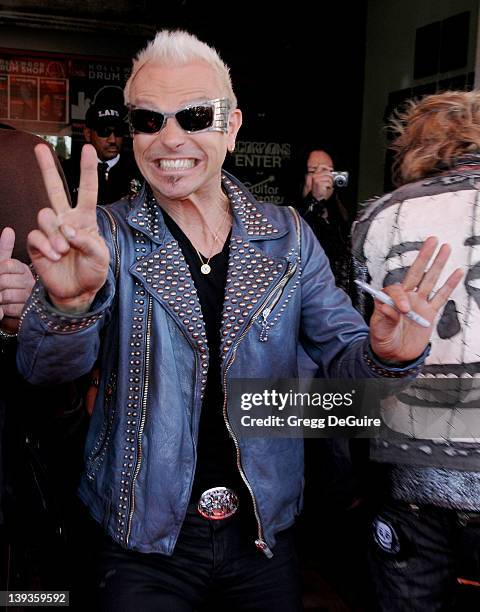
[{"x": 297, "y": 70}]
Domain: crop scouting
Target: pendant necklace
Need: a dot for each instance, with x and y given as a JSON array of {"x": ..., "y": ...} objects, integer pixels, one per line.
[{"x": 205, "y": 267}]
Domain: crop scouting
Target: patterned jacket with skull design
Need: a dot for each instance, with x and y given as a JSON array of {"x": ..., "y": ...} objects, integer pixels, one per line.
[{"x": 437, "y": 418}]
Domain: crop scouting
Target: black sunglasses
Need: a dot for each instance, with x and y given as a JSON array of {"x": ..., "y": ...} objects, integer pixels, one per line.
[
  {"x": 105, "y": 131},
  {"x": 209, "y": 116}
]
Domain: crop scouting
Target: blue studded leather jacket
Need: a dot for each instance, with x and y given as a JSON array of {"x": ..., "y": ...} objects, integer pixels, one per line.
[{"x": 147, "y": 331}]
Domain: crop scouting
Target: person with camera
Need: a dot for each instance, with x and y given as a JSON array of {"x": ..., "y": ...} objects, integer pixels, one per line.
[
  {"x": 324, "y": 212},
  {"x": 334, "y": 468}
]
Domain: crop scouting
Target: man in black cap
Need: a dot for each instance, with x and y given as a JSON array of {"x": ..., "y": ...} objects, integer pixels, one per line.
[{"x": 105, "y": 128}]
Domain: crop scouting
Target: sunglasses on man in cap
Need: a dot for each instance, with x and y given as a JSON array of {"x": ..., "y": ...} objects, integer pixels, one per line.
[{"x": 105, "y": 130}]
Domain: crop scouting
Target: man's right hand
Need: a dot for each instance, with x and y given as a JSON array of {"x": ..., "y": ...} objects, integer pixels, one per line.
[{"x": 67, "y": 250}]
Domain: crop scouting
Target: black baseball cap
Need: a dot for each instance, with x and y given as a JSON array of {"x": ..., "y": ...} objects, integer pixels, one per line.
[{"x": 105, "y": 115}]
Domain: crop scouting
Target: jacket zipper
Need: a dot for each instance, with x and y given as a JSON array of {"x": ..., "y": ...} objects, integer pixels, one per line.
[
  {"x": 260, "y": 541},
  {"x": 100, "y": 448},
  {"x": 268, "y": 309},
  {"x": 143, "y": 417},
  {"x": 142, "y": 423}
]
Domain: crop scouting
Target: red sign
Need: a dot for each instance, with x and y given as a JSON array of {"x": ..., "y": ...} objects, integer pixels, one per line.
[
  {"x": 43, "y": 92},
  {"x": 32, "y": 66}
]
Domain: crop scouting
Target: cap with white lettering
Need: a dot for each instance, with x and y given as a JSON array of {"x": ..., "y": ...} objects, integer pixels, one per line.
[{"x": 105, "y": 115}]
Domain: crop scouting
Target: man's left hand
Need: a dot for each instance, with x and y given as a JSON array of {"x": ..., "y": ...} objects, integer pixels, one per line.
[{"x": 393, "y": 336}]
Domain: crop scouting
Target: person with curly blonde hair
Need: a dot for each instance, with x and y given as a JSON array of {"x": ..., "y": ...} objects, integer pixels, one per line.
[
  {"x": 435, "y": 132},
  {"x": 426, "y": 533}
]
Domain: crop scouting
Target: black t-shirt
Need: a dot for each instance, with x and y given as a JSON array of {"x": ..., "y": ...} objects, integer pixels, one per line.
[{"x": 216, "y": 453}]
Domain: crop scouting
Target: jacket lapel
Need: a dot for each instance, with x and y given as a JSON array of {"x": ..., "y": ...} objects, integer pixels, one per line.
[
  {"x": 164, "y": 273},
  {"x": 251, "y": 274}
]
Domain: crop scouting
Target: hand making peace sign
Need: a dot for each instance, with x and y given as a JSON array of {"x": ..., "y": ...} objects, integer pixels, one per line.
[{"x": 67, "y": 250}]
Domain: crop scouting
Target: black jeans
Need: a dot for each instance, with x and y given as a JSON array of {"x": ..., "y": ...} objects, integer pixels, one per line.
[
  {"x": 214, "y": 564},
  {"x": 417, "y": 556}
]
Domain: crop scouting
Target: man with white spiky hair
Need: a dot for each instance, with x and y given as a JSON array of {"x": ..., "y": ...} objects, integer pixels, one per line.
[{"x": 175, "y": 294}]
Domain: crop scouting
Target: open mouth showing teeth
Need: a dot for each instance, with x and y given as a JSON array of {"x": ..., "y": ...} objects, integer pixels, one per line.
[{"x": 176, "y": 164}]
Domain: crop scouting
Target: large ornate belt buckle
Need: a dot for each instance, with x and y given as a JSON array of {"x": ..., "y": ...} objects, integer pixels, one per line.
[{"x": 218, "y": 503}]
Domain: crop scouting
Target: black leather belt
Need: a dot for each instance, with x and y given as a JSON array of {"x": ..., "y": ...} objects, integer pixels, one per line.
[{"x": 218, "y": 503}]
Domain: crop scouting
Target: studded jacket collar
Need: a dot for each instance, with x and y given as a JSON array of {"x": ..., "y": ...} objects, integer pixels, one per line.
[{"x": 147, "y": 331}]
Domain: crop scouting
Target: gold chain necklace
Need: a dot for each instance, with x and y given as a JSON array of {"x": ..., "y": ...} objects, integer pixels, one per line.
[{"x": 205, "y": 267}]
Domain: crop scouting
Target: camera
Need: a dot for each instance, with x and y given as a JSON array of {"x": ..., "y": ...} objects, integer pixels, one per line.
[{"x": 340, "y": 179}]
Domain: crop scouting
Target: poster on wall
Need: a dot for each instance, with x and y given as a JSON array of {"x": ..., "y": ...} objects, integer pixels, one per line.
[
  {"x": 53, "y": 100},
  {"x": 33, "y": 91},
  {"x": 23, "y": 98}
]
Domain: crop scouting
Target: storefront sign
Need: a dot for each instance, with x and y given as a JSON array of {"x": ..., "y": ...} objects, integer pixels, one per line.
[{"x": 260, "y": 164}]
